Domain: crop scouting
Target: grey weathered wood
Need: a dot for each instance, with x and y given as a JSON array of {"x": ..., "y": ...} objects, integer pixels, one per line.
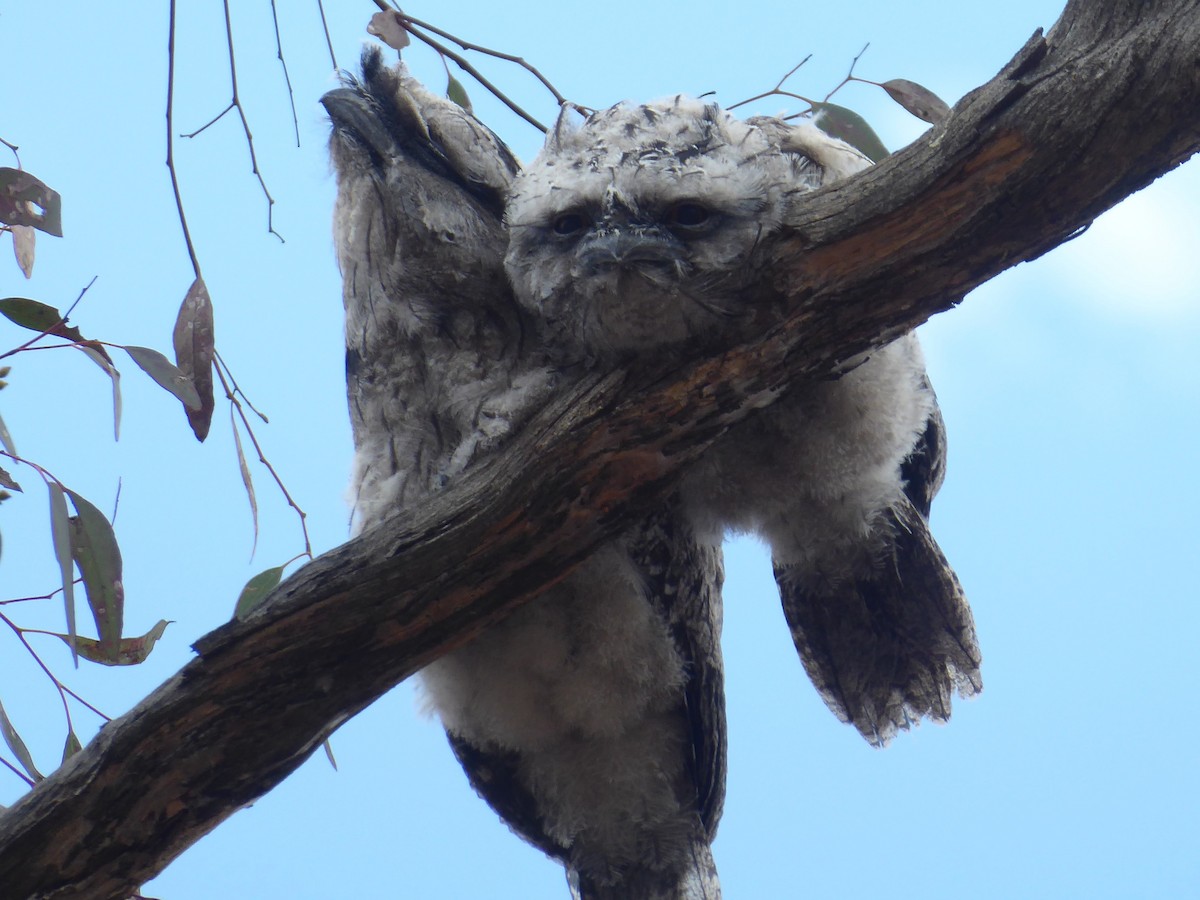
[{"x": 1105, "y": 103}]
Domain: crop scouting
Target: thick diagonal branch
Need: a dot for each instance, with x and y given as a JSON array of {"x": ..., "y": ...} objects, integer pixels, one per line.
[{"x": 1107, "y": 102}]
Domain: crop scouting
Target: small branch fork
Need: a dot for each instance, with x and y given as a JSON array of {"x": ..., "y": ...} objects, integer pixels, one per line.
[
  {"x": 232, "y": 392},
  {"x": 423, "y": 31},
  {"x": 235, "y": 103},
  {"x": 63, "y": 690},
  {"x": 778, "y": 91},
  {"x": 417, "y": 28}
]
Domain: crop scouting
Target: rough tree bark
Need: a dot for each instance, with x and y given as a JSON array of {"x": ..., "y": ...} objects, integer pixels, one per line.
[{"x": 1080, "y": 119}]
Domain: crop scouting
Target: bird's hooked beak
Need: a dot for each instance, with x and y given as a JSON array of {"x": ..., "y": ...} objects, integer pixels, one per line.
[
  {"x": 353, "y": 114},
  {"x": 627, "y": 245}
]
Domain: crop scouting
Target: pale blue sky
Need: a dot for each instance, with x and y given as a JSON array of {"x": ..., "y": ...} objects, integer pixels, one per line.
[{"x": 1070, "y": 388}]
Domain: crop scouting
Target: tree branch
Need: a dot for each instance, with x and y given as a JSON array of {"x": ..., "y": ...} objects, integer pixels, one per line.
[{"x": 1105, "y": 103}]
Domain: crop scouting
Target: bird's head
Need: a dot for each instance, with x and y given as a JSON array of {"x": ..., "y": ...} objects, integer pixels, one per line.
[{"x": 642, "y": 229}]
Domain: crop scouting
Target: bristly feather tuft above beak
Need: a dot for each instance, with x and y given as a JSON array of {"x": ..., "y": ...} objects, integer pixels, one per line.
[{"x": 614, "y": 247}]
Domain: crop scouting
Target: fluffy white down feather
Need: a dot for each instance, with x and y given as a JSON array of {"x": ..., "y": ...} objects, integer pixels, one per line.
[{"x": 637, "y": 235}]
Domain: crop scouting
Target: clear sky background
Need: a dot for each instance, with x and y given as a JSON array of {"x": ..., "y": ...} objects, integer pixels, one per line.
[{"x": 1070, "y": 388}]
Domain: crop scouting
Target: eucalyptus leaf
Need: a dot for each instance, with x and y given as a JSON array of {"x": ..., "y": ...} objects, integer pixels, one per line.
[
  {"x": 256, "y": 590},
  {"x": 94, "y": 547},
  {"x": 26, "y": 200},
  {"x": 127, "y": 652},
  {"x": 71, "y": 746},
  {"x": 847, "y": 125},
  {"x": 166, "y": 375},
  {"x": 457, "y": 93},
  {"x": 7, "y": 481},
  {"x": 247, "y": 483},
  {"x": 17, "y": 746},
  {"x": 32, "y": 314},
  {"x": 60, "y": 530},
  {"x": 195, "y": 348},
  {"x": 24, "y": 247},
  {"x": 917, "y": 99},
  {"x": 6, "y": 440}
]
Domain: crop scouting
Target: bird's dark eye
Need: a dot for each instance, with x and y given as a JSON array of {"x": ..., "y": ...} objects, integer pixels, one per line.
[
  {"x": 688, "y": 215},
  {"x": 570, "y": 223}
]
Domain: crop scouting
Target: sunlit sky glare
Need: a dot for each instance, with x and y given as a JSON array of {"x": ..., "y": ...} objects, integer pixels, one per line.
[{"x": 1070, "y": 388}]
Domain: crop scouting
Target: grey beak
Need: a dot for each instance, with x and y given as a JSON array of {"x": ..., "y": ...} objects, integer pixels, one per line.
[
  {"x": 352, "y": 114},
  {"x": 627, "y": 245}
]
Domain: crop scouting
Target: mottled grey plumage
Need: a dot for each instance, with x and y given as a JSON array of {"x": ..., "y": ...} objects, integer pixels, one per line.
[
  {"x": 592, "y": 719},
  {"x": 643, "y": 233}
]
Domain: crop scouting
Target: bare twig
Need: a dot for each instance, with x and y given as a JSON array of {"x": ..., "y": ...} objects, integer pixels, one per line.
[
  {"x": 187, "y": 236},
  {"x": 211, "y": 122},
  {"x": 71, "y": 308},
  {"x": 413, "y": 29},
  {"x": 849, "y": 75},
  {"x": 62, "y": 689},
  {"x": 286, "y": 78},
  {"x": 235, "y": 103},
  {"x": 85, "y": 704},
  {"x": 507, "y": 57},
  {"x": 230, "y": 394},
  {"x": 29, "y": 781},
  {"x": 237, "y": 389},
  {"x": 414, "y": 26},
  {"x": 32, "y": 598},
  {"x": 13, "y": 148},
  {"x": 62, "y": 696},
  {"x": 328, "y": 39},
  {"x": 777, "y": 91}
]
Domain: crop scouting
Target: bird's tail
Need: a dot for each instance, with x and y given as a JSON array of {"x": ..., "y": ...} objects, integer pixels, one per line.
[
  {"x": 698, "y": 882},
  {"x": 889, "y": 647}
]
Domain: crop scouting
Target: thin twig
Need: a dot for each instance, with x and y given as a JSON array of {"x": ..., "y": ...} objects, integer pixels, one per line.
[
  {"x": 411, "y": 27},
  {"x": 71, "y": 308},
  {"x": 777, "y": 91},
  {"x": 13, "y": 148},
  {"x": 507, "y": 57},
  {"x": 237, "y": 390},
  {"x": 211, "y": 122},
  {"x": 80, "y": 700},
  {"x": 29, "y": 781},
  {"x": 328, "y": 39},
  {"x": 19, "y": 632},
  {"x": 187, "y": 236},
  {"x": 116, "y": 502},
  {"x": 229, "y": 393},
  {"x": 49, "y": 596},
  {"x": 849, "y": 75},
  {"x": 286, "y": 78},
  {"x": 62, "y": 687},
  {"x": 236, "y": 103}
]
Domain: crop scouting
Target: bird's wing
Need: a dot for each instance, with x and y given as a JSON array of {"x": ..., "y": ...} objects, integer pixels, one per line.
[
  {"x": 887, "y": 647},
  {"x": 889, "y": 643},
  {"x": 925, "y": 468},
  {"x": 684, "y": 577}
]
